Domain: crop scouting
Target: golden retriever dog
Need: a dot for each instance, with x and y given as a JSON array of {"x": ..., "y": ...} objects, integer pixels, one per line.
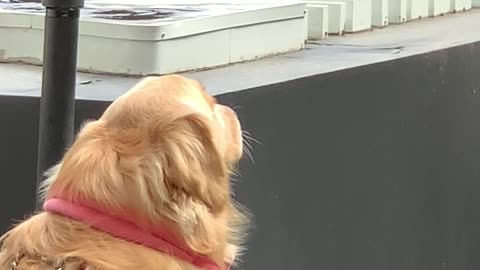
[{"x": 146, "y": 186}]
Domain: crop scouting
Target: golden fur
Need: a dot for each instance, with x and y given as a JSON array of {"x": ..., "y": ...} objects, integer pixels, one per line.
[{"x": 163, "y": 152}]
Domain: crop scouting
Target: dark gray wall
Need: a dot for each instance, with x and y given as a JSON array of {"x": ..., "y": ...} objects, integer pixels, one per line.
[
  {"x": 18, "y": 152},
  {"x": 372, "y": 168}
]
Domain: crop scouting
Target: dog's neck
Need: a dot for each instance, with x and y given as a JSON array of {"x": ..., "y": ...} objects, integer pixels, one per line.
[{"x": 162, "y": 239}]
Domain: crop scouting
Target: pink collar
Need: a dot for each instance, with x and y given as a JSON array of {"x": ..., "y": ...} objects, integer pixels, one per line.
[{"x": 160, "y": 240}]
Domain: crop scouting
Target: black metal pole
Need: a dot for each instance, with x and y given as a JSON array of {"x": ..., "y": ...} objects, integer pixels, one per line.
[{"x": 57, "y": 103}]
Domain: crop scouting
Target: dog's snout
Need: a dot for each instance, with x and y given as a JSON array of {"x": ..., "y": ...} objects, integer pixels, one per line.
[{"x": 227, "y": 111}]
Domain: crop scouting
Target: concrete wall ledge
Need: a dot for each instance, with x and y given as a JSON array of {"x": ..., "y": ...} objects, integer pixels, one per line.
[{"x": 335, "y": 54}]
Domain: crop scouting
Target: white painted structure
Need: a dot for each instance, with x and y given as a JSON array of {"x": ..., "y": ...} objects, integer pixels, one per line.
[
  {"x": 317, "y": 21},
  {"x": 438, "y": 7},
  {"x": 397, "y": 11},
  {"x": 358, "y": 15},
  {"x": 241, "y": 33},
  {"x": 336, "y": 15},
  {"x": 380, "y": 12},
  {"x": 417, "y": 9},
  {"x": 460, "y": 5}
]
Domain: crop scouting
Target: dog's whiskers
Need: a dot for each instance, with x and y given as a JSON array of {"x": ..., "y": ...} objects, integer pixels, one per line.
[
  {"x": 247, "y": 134},
  {"x": 248, "y": 147}
]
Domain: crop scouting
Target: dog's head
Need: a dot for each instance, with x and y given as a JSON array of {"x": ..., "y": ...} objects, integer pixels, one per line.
[{"x": 164, "y": 151}]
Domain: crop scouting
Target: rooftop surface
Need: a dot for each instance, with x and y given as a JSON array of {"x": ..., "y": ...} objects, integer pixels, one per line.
[
  {"x": 332, "y": 54},
  {"x": 146, "y": 12}
]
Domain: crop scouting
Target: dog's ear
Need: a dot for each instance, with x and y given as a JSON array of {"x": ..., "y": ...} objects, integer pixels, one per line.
[
  {"x": 192, "y": 163},
  {"x": 195, "y": 177}
]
